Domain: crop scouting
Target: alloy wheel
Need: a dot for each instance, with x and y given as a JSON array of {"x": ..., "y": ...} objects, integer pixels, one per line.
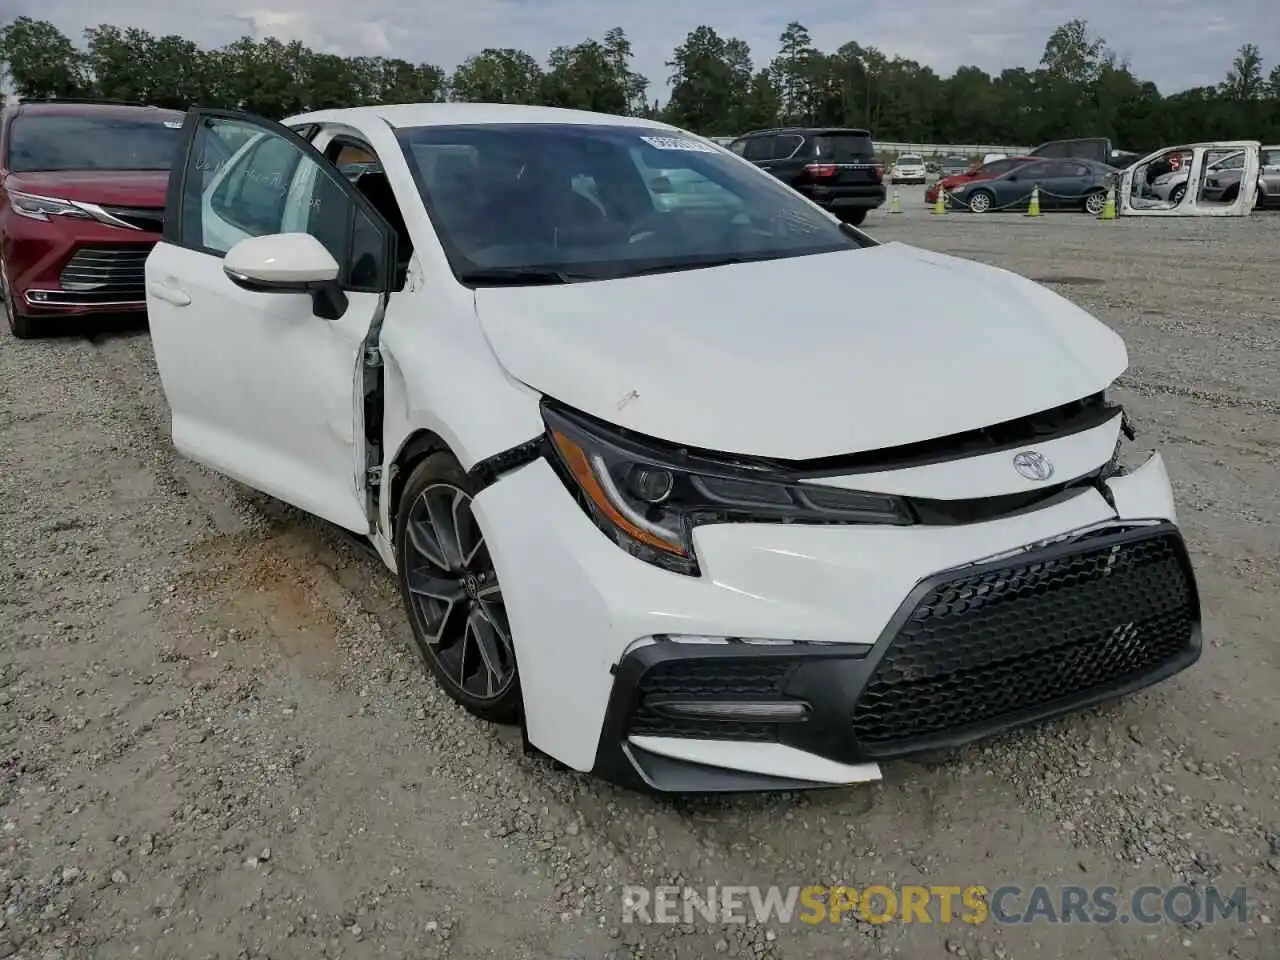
[
  {"x": 454, "y": 594},
  {"x": 980, "y": 203},
  {"x": 1094, "y": 202}
]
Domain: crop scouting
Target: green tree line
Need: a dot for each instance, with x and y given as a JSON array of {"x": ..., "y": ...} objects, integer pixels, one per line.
[{"x": 1079, "y": 88}]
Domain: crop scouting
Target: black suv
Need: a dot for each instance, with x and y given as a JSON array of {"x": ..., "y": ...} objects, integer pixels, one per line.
[{"x": 835, "y": 167}]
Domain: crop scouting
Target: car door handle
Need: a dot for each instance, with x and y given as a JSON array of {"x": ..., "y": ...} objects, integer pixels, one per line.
[{"x": 169, "y": 294}]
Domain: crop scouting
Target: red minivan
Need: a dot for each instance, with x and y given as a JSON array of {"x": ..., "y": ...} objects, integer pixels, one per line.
[{"x": 82, "y": 194}]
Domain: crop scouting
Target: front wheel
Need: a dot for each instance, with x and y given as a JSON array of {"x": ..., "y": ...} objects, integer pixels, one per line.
[
  {"x": 981, "y": 201},
  {"x": 1176, "y": 195},
  {"x": 451, "y": 591},
  {"x": 1094, "y": 203},
  {"x": 853, "y": 217},
  {"x": 21, "y": 326}
]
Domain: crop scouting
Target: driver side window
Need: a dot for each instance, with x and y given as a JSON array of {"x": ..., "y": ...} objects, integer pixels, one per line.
[
  {"x": 251, "y": 195},
  {"x": 271, "y": 185}
]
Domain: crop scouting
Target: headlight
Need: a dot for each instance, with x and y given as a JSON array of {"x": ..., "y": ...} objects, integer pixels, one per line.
[
  {"x": 647, "y": 496},
  {"x": 35, "y": 207}
]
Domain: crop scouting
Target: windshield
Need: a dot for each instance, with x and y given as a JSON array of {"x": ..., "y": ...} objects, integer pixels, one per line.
[
  {"x": 53, "y": 143},
  {"x": 908, "y": 160},
  {"x": 515, "y": 202}
]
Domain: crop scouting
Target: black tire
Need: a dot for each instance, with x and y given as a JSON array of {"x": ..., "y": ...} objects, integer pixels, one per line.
[
  {"x": 444, "y": 629},
  {"x": 1232, "y": 193},
  {"x": 1177, "y": 193},
  {"x": 990, "y": 201},
  {"x": 1097, "y": 198},
  {"x": 19, "y": 324},
  {"x": 853, "y": 217}
]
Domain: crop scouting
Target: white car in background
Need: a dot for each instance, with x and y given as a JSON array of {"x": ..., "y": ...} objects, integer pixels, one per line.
[
  {"x": 908, "y": 168},
  {"x": 691, "y": 537}
]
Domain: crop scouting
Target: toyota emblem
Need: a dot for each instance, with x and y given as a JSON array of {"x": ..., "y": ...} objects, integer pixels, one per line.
[{"x": 1033, "y": 465}]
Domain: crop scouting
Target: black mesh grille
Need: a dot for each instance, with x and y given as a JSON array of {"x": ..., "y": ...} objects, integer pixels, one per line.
[
  {"x": 1024, "y": 639},
  {"x": 107, "y": 273},
  {"x": 708, "y": 680}
]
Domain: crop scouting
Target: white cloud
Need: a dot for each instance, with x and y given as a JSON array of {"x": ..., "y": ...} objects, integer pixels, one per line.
[{"x": 1177, "y": 43}]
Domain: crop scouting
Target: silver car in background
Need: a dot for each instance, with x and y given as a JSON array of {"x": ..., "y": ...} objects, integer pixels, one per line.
[
  {"x": 1223, "y": 185},
  {"x": 909, "y": 168}
]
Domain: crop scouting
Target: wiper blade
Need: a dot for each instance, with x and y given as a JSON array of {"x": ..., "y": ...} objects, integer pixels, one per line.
[
  {"x": 690, "y": 265},
  {"x": 519, "y": 276}
]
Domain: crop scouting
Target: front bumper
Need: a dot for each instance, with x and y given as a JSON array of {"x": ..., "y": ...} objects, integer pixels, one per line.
[
  {"x": 861, "y": 197},
  {"x": 73, "y": 268},
  {"x": 895, "y": 640},
  {"x": 970, "y": 653}
]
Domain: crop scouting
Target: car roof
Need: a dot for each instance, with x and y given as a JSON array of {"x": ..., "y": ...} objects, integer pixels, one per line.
[
  {"x": 808, "y": 131},
  {"x": 88, "y": 108},
  {"x": 401, "y": 115}
]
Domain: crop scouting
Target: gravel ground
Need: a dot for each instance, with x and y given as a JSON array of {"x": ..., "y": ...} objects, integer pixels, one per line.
[{"x": 216, "y": 742}]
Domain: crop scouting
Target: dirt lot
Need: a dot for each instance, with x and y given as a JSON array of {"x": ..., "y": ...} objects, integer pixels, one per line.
[{"x": 216, "y": 743}]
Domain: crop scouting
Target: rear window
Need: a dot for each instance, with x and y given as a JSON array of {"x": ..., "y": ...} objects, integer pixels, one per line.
[
  {"x": 843, "y": 147},
  {"x": 52, "y": 143}
]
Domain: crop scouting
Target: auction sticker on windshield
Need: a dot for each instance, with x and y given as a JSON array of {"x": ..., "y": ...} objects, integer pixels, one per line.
[{"x": 678, "y": 143}]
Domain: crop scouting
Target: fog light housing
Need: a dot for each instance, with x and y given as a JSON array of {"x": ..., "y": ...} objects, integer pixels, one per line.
[{"x": 739, "y": 711}]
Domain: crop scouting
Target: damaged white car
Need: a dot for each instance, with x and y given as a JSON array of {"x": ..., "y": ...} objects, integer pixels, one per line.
[
  {"x": 692, "y": 535},
  {"x": 1182, "y": 181}
]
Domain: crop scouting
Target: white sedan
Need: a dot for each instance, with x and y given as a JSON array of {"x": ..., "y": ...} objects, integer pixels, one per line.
[
  {"x": 706, "y": 497},
  {"x": 909, "y": 168}
]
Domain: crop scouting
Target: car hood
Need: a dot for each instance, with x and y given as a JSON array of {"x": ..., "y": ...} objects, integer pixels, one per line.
[
  {"x": 804, "y": 357},
  {"x": 127, "y": 188}
]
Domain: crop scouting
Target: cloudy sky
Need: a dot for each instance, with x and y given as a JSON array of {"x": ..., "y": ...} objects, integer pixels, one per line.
[{"x": 1177, "y": 43}]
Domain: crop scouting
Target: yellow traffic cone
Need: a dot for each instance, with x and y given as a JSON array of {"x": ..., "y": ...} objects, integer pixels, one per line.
[
  {"x": 1034, "y": 209},
  {"x": 1109, "y": 205},
  {"x": 940, "y": 201},
  {"x": 895, "y": 203}
]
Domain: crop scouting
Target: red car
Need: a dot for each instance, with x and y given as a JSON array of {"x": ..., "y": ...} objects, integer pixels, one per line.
[
  {"x": 977, "y": 172},
  {"x": 82, "y": 195}
]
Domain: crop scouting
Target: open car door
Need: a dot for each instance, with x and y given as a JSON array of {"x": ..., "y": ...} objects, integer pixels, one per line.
[
  {"x": 1199, "y": 198},
  {"x": 270, "y": 275}
]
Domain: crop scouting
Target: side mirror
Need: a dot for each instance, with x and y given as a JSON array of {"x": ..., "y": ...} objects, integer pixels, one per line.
[{"x": 288, "y": 263}]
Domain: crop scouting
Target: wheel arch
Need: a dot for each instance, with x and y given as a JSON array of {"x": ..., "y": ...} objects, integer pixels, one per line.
[
  {"x": 422, "y": 443},
  {"x": 416, "y": 447}
]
